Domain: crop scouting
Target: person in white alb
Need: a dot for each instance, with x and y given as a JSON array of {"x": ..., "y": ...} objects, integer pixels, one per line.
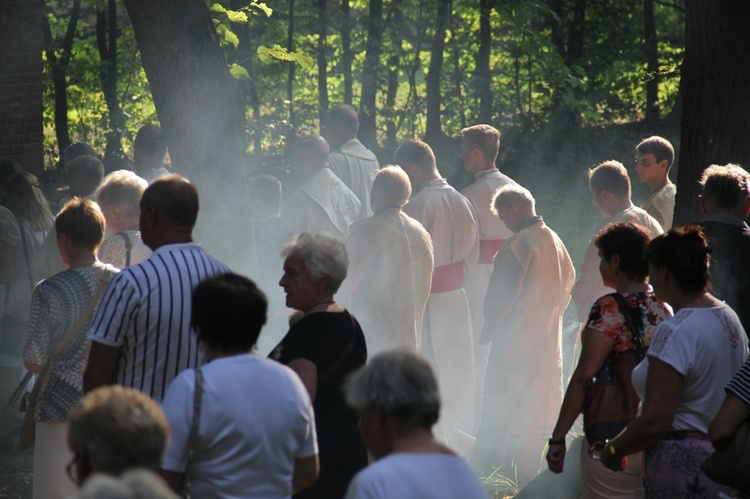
[
  {"x": 321, "y": 202},
  {"x": 390, "y": 267},
  {"x": 351, "y": 161},
  {"x": 446, "y": 334},
  {"x": 479, "y": 153},
  {"x": 141, "y": 334}
]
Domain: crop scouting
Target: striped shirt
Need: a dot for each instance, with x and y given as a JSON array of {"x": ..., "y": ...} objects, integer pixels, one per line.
[
  {"x": 740, "y": 383},
  {"x": 146, "y": 311}
]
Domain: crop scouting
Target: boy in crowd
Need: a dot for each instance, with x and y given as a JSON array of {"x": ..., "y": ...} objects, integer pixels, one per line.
[{"x": 654, "y": 157}]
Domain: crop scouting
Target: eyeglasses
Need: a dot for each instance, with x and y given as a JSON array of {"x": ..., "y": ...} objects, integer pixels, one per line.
[{"x": 72, "y": 470}]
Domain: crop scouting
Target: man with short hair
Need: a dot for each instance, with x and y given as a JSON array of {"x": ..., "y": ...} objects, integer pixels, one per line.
[
  {"x": 527, "y": 296},
  {"x": 653, "y": 159},
  {"x": 725, "y": 204},
  {"x": 610, "y": 187},
  {"x": 390, "y": 267},
  {"x": 447, "y": 336},
  {"x": 322, "y": 202},
  {"x": 480, "y": 146},
  {"x": 149, "y": 149},
  {"x": 141, "y": 335},
  {"x": 351, "y": 161}
]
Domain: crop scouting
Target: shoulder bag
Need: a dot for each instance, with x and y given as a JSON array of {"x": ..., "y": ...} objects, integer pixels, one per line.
[
  {"x": 611, "y": 402},
  {"x": 186, "y": 487}
]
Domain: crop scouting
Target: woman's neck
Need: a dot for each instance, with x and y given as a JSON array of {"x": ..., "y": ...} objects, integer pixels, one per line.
[
  {"x": 82, "y": 259},
  {"x": 627, "y": 287}
]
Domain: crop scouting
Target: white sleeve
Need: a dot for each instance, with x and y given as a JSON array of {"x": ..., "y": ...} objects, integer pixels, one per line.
[
  {"x": 362, "y": 488},
  {"x": 114, "y": 313},
  {"x": 307, "y": 439},
  {"x": 178, "y": 407},
  {"x": 674, "y": 349}
]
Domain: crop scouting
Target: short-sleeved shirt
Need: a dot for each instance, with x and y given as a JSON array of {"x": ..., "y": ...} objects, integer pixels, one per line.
[
  {"x": 706, "y": 346},
  {"x": 323, "y": 338},
  {"x": 146, "y": 311},
  {"x": 250, "y": 432},
  {"x": 606, "y": 317},
  {"x": 740, "y": 383},
  {"x": 417, "y": 476}
]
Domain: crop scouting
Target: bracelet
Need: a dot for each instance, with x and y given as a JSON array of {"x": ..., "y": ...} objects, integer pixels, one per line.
[
  {"x": 611, "y": 448},
  {"x": 556, "y": 442}
]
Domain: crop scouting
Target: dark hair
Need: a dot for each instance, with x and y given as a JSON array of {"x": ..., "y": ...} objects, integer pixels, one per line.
[
  {"x": 82, "y": 221},
  {"x": 415, "y": 152},
  {"x": 312, "y": 149},
  {"x": 228, "y": 312},
  {"x": 685, "y": 253},
  {"x": 267, "y": 189},
  {"x": 149, "y": 140},
  {"x": 174, "y": 197},
  {"x": 8, "y": 168},
  {"x": 659, "y": 147},
  {"x": 87, "y": 167},
  {"x": 343, "y": 115},
  {"x": 628, "y": 241},
  {"x": 610, "y": 176},
  {"x": 77, "y": 150}
]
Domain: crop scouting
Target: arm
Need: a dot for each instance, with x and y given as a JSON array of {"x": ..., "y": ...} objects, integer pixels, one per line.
[
  {"x": 307, "y": 373},
  {"x": 305, "y": 473},
  {"x": 101, "y": 366},
  {"x": 663, "y": 388},
  {"x": 734, "y": 411},
  {"x": 596, "y": 347}
]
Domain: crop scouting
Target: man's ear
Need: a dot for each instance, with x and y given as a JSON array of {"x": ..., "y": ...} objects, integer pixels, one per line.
[
  {"x": 704, "y": 205},
  {"x": 663, "y": 164},
  {"x": 151, "y": 217},
  {"x": 746, "y": 207}
]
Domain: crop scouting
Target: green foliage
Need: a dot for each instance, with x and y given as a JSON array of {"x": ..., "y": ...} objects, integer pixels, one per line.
[{"x": 280, "y": 53}]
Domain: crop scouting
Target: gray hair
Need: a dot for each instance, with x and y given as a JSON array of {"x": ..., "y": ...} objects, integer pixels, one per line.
[
  {"x": 323, "y": 255},
  {"x": 135, "y": 484},
  {"x": 402, "y": 383},
  {"x": 511, "y": 194},
  {"x": 122, "y": 189},
  {"x": 725, "y": 186}
]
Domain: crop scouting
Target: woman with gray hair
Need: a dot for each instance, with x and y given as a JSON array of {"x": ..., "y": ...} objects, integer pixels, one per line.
[
  {"x": 398, "y": 402},
  {"x": 324, "y": 348}
]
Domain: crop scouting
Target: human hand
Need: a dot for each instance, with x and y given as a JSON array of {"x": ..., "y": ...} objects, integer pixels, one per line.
[
  {"x": 556, "y": 458},
  {"x": 610, "y": 459}
]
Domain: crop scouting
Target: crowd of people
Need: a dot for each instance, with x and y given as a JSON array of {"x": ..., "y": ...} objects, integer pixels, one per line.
[{"x": 403, "y": 322}]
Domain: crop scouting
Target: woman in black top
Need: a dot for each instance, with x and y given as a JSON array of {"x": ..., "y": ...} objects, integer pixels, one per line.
[{"x": 323, "y": 348}]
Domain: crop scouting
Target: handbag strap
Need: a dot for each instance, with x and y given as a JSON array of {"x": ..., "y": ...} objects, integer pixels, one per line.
[
  {"x": 344, "y": 355},
  {"x": 128, "y": 247},
  {"x": 193, "y": 435},
  {"x": 634, "y": 326},
  {"x": 76, "y": 328}
]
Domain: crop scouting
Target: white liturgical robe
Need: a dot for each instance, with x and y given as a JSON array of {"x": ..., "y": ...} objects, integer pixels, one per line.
[{"x": 356, "y": 166}]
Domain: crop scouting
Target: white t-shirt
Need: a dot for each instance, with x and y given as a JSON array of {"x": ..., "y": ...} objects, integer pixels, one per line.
[
  {"x": 417, "y": 476},
  {"x": 707, "y": 346},
  {"x": 256, "y": 419}
]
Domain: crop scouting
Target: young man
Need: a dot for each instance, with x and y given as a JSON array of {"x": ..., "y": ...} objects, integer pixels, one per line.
[{"x": 654, "y": 157}]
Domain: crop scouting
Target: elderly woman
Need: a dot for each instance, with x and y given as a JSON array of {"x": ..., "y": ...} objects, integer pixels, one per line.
[
  {"x": 119, "y": 197},
  {"x": 323, "y": 348},
  {"x": 623, "y": 267},
  {"x": 692, "y": 356},
  {"x": 62, "y": 308},
  {"x": 398, "y": 402},
  {"x": 255, "y": 434}
]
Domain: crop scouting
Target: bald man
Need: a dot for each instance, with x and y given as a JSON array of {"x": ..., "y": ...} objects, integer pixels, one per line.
[
  {"x": 141, "y": 335},
  {"x": 351, "y": 161}
]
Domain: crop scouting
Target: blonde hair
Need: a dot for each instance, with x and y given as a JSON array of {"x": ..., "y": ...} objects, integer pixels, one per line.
[
  {"x": 123, "y": 190},
  {"x": 393, "y": 183},
  {"x": 31, "y": 205},
  {"x": 483, "y": 137}
]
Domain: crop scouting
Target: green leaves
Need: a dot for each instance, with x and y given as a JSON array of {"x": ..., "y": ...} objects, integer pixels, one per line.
[
  {"x": 280, "y": 53},
  {"x": 239, "y": 72}
]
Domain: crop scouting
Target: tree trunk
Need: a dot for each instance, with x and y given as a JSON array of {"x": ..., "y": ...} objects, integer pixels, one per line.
[
  {"x": 247, "y": 90},
  {"x": 434, "y": 129},
  {"x": 370, "y": 73},
  {"x": 323, "y": 102},
  {"x": 196, "y": 100},
  {"x": 394, "y": 18},
  {"x": 716, "y": 97},
  {"x": 292, "y": 68},
  {"x": 482, "y": 71},
  {"x": 413, "y": 95},
  {"x": 106, "y": 38},
  {"x": 652, "y": 65},
  {"x": 346, "y": 52},
  {"x": 59, "y": 68}
]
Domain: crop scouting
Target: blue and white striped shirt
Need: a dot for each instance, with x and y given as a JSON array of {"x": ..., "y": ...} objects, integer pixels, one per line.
[{"x": 146, "y": 311}]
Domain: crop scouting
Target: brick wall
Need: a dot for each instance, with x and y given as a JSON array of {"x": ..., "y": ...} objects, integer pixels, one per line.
[{"x": 21, "y": 84}]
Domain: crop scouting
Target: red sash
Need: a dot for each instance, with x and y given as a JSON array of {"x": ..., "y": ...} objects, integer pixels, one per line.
[
  {"x": 447, "y": 278},
  {"x": 488, "y": 248}
]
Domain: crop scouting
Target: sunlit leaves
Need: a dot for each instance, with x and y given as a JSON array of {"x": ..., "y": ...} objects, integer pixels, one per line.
[
  {"x": 282, "y": 54},
  {"x": 239, "y": 72}
]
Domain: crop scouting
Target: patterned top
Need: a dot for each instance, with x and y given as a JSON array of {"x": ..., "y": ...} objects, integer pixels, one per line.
[
  {"x": 606, "y": 317},
  {"x": 56, "y": 305},
  {"x": 740, "y": 383},
  {"x": 114, "y": 251}
]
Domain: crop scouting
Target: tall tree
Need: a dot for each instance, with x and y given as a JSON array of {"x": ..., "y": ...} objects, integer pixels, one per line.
[
  {"x": 323, "y": 102},
  {"x": 247, "y": 89},
  {"x": 59, "y": 68},
  {"x": 433, "y": 127},
  {"x": 652, "y": 64},
  {"x": 106, "y": 39},
  {"x": 290, "y": 72},
  {"x": 370, "y": 74},
  {"x": 196, "y": 100},
  {"x": 716, "y": 97},
  {"x": 482, "y": 71},
  {"x": 346, "y": 52}
]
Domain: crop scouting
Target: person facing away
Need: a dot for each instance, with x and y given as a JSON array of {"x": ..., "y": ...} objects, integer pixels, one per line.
[
  {"x": 446, "y": 334},
  {"x": 654, "y": 157},
  {"x": 113, "y": 430},
  {"x": 390, "y": 267},
  {"x": 398, "y": 402},
  {"x": 270, "y": 232},
  {"x": 119, "y": 197},
  {"x": 256, "y": 426},
  {"x": 610, "y": 189},
  {"x": 149, "y": 149},
  {"x": 141, "y": 333},
  {"x": 479, "y": 149},
  {"x": 527, "y": 295},
  {"x": 351, "y": 161},
  {"x": 321, "y": 202},
  {"x": 725, "y": 203}
]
